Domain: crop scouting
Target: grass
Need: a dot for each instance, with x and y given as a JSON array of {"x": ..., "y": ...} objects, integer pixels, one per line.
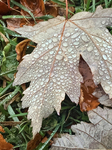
[{"x": 11, "y": 111}]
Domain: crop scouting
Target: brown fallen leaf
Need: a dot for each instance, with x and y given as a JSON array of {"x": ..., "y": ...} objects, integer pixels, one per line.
[
  {"x": 21, "y": 49},
  {"x": 1, "y": 129},
  {"x": 13, "y": 23},
  {"x": 35, "y": 6},
  {"x": 3, "y": 144},
  {"x": 51, "y": 9},
  {"x": 4, "y": 9},
  {"x": 34, "y": 142}
]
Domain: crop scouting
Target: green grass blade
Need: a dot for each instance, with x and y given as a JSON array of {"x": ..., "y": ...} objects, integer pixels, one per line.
[
  {"x": 88, "y": 5},
  {"x": 11, "y": 112},
  {"x": 6, "y": 88},
  {"x": 93, "y": 5},
  {"x": 10, "y": 32},
  {"x": 52, "y": 134},
  {"x": 106, "y": 3},
  {"x": 10, "y": 96},
  {"x": 45, "y": 17},
  {"x": 7, "y": 72},
  {"x": 18, "y": 115}
]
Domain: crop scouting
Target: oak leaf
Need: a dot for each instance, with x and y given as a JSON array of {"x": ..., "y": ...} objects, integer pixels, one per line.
[{"x": 52, "y": 67}]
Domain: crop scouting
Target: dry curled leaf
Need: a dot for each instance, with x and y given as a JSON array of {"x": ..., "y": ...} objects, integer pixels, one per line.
[
  {"x": 1, "y": 129},
  {"x": 3, "y": 144},
  {"x": 35, "y": 6},
  {"x": 52, "y": 67},
  {"x": 21, "y": 49},
  {"x": 4, "y": 9}
]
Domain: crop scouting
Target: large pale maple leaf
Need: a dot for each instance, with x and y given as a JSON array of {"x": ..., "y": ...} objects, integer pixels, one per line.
[{"x": 52, "y": 67}]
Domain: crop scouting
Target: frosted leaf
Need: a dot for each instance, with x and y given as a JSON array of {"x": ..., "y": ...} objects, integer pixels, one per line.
[
  {"x": 52, "y": 67},
  {"x": 95, "y": 135}
]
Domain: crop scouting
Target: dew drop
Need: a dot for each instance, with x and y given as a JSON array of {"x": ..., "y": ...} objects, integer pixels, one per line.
[
  {"x": 84, "y": 38},
  {"x": 107, "y": 77},
  {"x": 50, "y": 41},
  {"x": 55, "y": 34},
  {"x": 51, "y": 52},
  {"x": 100, "y": 72},
  {"x": 104, "y": 57},
  {"x": 75, "y": 35},
  {"x": 43, "y": 45},
  {"x": 40, "y": 70},
  {"x": 76, "y": 43},
  {"x": 59, "y": 57},
  {"x": 90, "y": 48},
  {"x": 102, "y": 49},
  {"x": 98, "y": 39},
  {"x": 50, "y": 46},
  {"x": 70, "y": 49},
  {"x": 36, "y": 56},
  {"x": 103, "y": 22},
  {"x": 61, "y": 76},
  {"x": 62, "y": 94},
  {"x": 65, "y": 44},
  {"x": 46, "y": 57},
  {"x": 110, "y": 67},
  {"x": 107, "y": 88},
  {"x": 55, "y": 39},
  {"x": 104, "y": 45},
  {"x": 67, "y": 34}
]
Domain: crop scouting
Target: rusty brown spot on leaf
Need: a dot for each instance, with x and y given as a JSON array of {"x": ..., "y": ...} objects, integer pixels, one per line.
[{"x": 87, "y": 101}]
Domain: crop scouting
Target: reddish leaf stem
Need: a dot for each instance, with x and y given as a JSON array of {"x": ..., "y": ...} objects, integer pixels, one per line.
[{"x": 66, "y": 10}]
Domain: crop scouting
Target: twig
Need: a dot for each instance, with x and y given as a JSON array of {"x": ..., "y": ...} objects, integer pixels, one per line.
[{"x": 10, "y": 123}]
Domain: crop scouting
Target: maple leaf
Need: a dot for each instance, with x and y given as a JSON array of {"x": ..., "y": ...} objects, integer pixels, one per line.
[{"x": 52, "y": 67}]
